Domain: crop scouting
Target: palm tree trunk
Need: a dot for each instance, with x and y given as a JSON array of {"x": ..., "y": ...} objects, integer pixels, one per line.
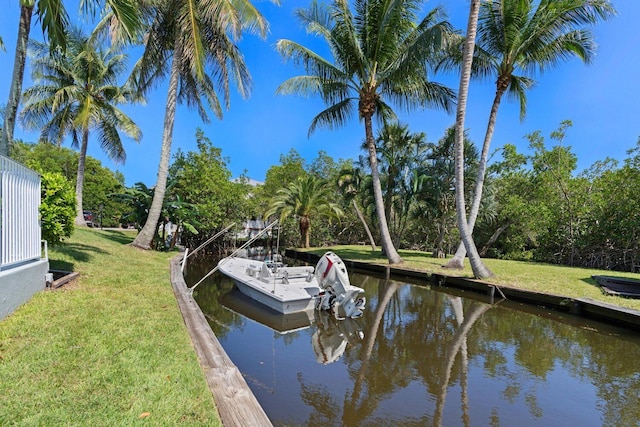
[
  {"x": 80, "y": 177},
  {"x": 480, "y": 271},
  {"x": 305, "y": 226},
  {"x": 145, "y": 237},
  {"x": 26, "y": 12},
  {"x": 366, "y": 226},
  {"x": 387, "y": 244},
  {"x": 454, "y": 346},
  {"x": 458, "y": 259}
]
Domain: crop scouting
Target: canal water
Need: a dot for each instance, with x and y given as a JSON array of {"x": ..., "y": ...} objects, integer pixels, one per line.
[{"x": 424, "y": 356}]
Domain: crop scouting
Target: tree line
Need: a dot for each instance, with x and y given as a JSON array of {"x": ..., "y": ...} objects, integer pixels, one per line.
[{"x": 383, "y": 57}]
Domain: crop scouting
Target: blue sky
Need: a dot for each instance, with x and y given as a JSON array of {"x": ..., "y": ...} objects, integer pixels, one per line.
[{"x": 600, "y": 100}]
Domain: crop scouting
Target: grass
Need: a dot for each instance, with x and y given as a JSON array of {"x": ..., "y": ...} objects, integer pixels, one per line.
[
  {"x": 547, "y": 278},
  {"x": 108, "y": 349}
]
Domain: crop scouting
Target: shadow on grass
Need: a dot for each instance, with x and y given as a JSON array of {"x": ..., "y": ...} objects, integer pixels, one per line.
[
  {"x": 78, "y": 252},
  {"x": 118, "y": 236},
  {"x": 55, "y": 264}
]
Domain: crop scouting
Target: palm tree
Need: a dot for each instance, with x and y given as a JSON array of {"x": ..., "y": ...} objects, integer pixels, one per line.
[
  {"x": 191, "y": 41},
  {"x": 514, "y": 38},
  {"x": 75, "y": 92},
  {"x": 381, "y": 54},
  {"x": 304, "y": 198},
  {"x": 349, "y": 184},
  {"x": 480, "y": 271},
  {"x": 402, "y": 154},
  {"x": 53, "y": 16}
]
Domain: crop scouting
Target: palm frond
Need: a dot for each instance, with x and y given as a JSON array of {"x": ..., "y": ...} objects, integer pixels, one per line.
[{"x": 337, "y": 115}]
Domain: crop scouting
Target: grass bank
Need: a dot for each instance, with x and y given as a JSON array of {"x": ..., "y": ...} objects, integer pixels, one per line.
[
  {"x": 108, "y": 349},
  {"x": 547, "y": 278}
]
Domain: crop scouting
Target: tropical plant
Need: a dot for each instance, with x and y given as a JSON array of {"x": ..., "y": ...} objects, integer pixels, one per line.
[
  {"x": 75, "y": 92},
  {"x": 193, "y": 42},
  {"x": 305, "y": 198},
  {"x": 349, "y": 184},
  {"x": 57, "y": 208},
  {"x": 401, "y": 157},
  {"x": 436, "y": 205},
  {"x": 99, "y": 181},
  {"x": 54, "y": 19},
  {"x": 138, "y": 200},
  {"x": 381, "y": 54},
  {"x": 202, "y": 180},
  {"x": 519, "y": 37}
]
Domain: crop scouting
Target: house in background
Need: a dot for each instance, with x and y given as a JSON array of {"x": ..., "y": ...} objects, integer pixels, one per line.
[{"x": 23, "y": 267}]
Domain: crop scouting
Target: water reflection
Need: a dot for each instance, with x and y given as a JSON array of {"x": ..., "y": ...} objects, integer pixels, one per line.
[{"x": 430, "y": 358}]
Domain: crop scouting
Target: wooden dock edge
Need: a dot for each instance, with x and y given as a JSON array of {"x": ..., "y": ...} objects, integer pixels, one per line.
[
  {"x": 236, "y": 403},
  {"x": 583, "y": 307}
]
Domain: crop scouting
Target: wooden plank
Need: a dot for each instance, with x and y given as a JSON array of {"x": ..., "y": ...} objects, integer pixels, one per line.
[{"x": 235, "y": 401}]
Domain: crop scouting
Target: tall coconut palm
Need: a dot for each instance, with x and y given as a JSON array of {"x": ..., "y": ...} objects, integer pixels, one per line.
[
  {"x": 381, "y": 54},
  {"x": 192, "y": 42},
  {"x": 76, "y": 92},
  {"x": 515, "y": 37},
  {"x": 305, "y": 198},
  {"x": 53, "y": 16},
  {"x": 480, "y": 271}
]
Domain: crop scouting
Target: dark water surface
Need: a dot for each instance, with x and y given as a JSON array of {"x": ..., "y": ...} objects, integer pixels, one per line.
[{"x": 423, "y": 357}]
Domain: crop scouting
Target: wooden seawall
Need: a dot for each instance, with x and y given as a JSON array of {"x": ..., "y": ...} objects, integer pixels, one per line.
[{"x": 235, "y": 401}]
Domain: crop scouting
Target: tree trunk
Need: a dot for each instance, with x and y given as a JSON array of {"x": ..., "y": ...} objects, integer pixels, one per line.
[
  {"x": 145, "y": 237},
  {"x": 494, "y": 237},
  {"x": 480, "y": 271},
  {"x": 457, "y": 341},
  {"x": 26, "y": 12},
  {"x": 305, "y": 226},
  {"x": 366, "y": 226},
  {"x": 458, "y": 259},
  {"x": 387, "y": 244},
  {"x": 80, "y": 177}
]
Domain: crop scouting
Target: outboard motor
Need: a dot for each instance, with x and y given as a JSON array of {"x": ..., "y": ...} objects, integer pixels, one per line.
[{"x": 338, "y": 295}]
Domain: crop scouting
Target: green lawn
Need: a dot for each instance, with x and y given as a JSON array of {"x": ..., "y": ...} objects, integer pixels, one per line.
[
  {"x": 108, "y": 349},
  {"x": 547, "y": 278}
]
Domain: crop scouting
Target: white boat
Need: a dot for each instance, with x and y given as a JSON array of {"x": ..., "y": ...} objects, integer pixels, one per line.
[{"x": 293, "y": 289}]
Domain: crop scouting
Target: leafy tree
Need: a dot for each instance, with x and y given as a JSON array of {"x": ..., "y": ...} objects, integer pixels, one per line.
[
  {"x": 401, "y": 157},
  {"x": 75, "y": 92},
  {"x": 193, "y": 42},
  {"x": 57, "y": 207},
  {"x": 292, "y": 166},
  {"x": 99, "y": 182},
  {"x": 349, "y": 184},
  {"x": 54, "y": 19},
  {"x": 138, "y": 200},
  {"x": 381, "y": 54},
  {"x": 436, "y": 196},
  {"x": 202, "y": 180},
  {"x": 517, "y": 37},
  {"x": 304, "y": 198}
]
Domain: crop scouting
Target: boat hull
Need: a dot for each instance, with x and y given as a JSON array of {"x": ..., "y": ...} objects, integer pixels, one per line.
[
  {"x": 284, "y": 307},
  {"x": 284, "y": 296}
]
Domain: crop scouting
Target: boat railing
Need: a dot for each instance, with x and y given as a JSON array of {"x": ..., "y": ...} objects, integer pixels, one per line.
[
  {"x": 187, "y": 254},
  {"x": 234, "y": 253}
]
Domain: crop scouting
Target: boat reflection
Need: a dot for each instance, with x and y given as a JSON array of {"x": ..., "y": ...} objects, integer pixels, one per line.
[{"x": 329, "y": 340}]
